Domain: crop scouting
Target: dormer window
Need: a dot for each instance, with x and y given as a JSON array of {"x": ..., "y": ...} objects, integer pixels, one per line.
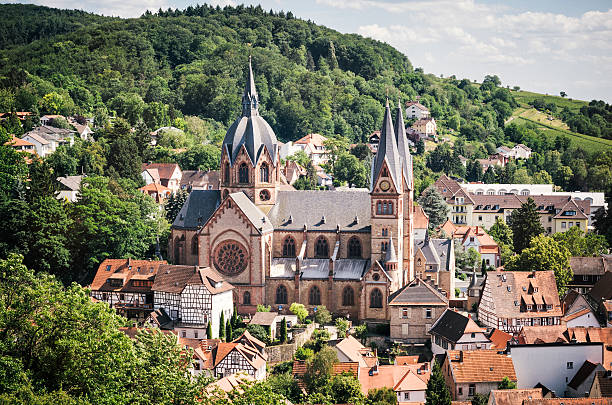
[
  {"x": 108, "y": 267},
  {"x": 529, "y": 307}
]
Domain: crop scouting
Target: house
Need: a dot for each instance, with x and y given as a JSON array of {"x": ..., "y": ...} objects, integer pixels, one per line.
[
  {"x": 426, "y": 126},
  {"x": 69, "y": 188},
  {"x": 205, "y": 180},
  {"x": 22, "y": 145},
  {"x": 245, "y": 354},
  {"x": 577, "y": 311},
  {"x": 350, "y": 350},
  {"x": 55, "y": 136},
  {"x": 460, "y": 201},
  {"x": 513, "y": 397},
  {"x": 48, "y": 119},
  {"x": 434, "y": 260},
  {"x": 474, "y": 290},
  {"x": 520, "y": 151},
  {"x": 553, "y": 365},
  {"x": 409, "y": 382},
  {"x": 125, "y": 284},
  {"x": 580, "y": 384},
  {"x": 192, "y": 296},
  {"x": 512, "y": 299},
  {"x": 471, "y": 372},
  {"x": 421, "y": 222},
  {"x": 229, "y": 383},
  {"x": 413, "y": 309},
  {"x": 600, "y": 296},
  {"x": 158, "y": 192},
  {"x": 504, "y": 151},
  {"x": 83, "y": 130},
  {"x": 314, "y": 147},
  {"x": 453, "y": 331},
  {"x": 267, "y": 320},
  {"x": 203, "y": 358},
  {"x": 42, "y": 146},
  {"x": 499, "y": 339},
  {"x": 166, "y": 174},
  {"x": 479, "y": 240},
  {"x": 566, "y": 401},
  {"x": 293, "y": 171},
  {"x": 602, "y": 386},
  {"x": 588, "y": 270},
  {"x": 416, "y": 110},
  {"x": 496, "y": 160}
]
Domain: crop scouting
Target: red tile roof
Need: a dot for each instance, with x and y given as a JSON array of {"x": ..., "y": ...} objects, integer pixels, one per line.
[
  {"x": 499, "y": 338},
  {"x": 165, "y": 170},
  {"x": 515, "y": 397},
  {"x": 125, "y": 270},
  {"x": 568, "y": 401},
  {"x": 480, "y": 366}
]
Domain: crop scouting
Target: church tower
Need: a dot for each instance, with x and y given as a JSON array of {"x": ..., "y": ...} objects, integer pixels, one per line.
[
  {"x": 250, "y": 159},
  {"x": 407, "y": 186},
  {"x": 387, "y": 203}
]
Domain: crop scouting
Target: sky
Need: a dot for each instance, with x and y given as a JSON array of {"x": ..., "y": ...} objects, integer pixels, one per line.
[{"x": 546, "y": 46}]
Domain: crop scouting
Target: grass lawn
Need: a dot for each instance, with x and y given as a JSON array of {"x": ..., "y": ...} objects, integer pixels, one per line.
[{"x": 524, "y": 97}]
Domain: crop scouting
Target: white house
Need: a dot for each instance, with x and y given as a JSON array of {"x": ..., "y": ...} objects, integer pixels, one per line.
[
  {"x": 416, "y": 110},
  {"x": 166, "y": 174},
  {"x": 553, "y": 365},
  {"x": 193, "y": 296},
  {"x": 521, "y": 151},
  {"x": 453, "y": 331},
  {"x": 577, "y": 312},
  {"x": 41, "y": 145},
  {"x": 426, "y": 126}
]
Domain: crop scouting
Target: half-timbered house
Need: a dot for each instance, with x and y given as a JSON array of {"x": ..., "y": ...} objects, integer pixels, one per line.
[{"x": 245, "y": 354}]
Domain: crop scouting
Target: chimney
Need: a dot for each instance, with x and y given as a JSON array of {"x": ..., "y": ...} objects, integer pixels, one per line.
[{"x": 461, "y": 356}]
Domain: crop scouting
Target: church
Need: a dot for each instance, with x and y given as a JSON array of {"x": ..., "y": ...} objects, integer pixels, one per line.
[{"x": 348, "y": 250}]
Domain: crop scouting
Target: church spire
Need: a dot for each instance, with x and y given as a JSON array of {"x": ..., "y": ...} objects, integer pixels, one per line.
[
  {"x": 402, "y": 144},
  {"x": 387, "y": 152},
  {"x": 250, "y": 100}
]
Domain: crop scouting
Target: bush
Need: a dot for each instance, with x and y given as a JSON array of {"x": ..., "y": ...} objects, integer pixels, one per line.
[
  {"x": 462, "y": 276},
  {"x": 263, "y": 308},
  {"x": 322, "y": 315},
  {"x": 259, "y": 332},
  {"x": 342, "y": 325},
  {"x": 299, "y": 310},
  {"x": 457, "y": 292},
  {"x": 303, "y": 353}
]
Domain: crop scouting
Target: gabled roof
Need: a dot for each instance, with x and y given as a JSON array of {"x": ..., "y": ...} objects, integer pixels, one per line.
[
  {"x": 602, "y": 290},
  {"x": 436, "y": 251},
  {"x": 263, "y": 318},
  {"x": 596, "y": 266},
  {"x": 354, "y": 350},
  {"x": 515, "y": 396},
  {"x": 420, "y": 218},
  {"x": 18, "y": 142},
  {"x": 198, "y": 178},
  {"x": 165, "y": 170},
  {"x": 155, "y": 187},
  {"x": 605, "y": 384},
  {"x": 259, "y": 220},
  {"x": 568, "y": 401},
  {"x": 416, "y": 104},
  {"x": 412, "y": 377},
  {"x": 125, "y": 270},
  {"x": 387, "y": 153},
  {"x": 417, "y": 292},
  {"x": 582, "y": 374},
  {"x": 311, "y": 139},
  {"x": 472, "y": 366},
  {"x": 72, "y": 183},
  {"x": 37, "y": 138},
  {"x": 499, "y": 338},
  {"x": 174, "y": 279},
  {"x": 452, "y": 326},
  {"x": 447, "y": 186},
  {"x": 197, "y": 209}
]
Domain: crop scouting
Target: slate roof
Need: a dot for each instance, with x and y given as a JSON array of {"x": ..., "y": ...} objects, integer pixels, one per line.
[
  {"x": 37, "y": 138},
  {"x": 436, "y": 251},
  {"x": 402, "y": 146},
  {"x": 250, "y": 129},
  {"x": 602, "y": 290},
  {"x": 197, "y": 210},
  {"x": 473, "y": 366},
  {"x": 259, "y": 220},
  {"x": 282, "y": 267},
  {"x": 452, "y": 326},
  {"x": 417, "y": 292},
  {"x": 387, "y": 152},
  {"x": 582, "y": 374},
  {"x": 350, "y": 269},
  {"x": 199, "y": 178},
  {"x": 596, "y": 266},
  {"x": 339, "y": 208},
  {"x": 313, "y": 269},
  {"x": 344, "y": 269}
]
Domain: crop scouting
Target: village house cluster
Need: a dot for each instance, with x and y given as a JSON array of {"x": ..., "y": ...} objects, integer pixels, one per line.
[{"x": 245, "y": 237}]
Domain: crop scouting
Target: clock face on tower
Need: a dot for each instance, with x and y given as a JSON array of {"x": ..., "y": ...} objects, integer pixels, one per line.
[{"x": 385, "y": 185}]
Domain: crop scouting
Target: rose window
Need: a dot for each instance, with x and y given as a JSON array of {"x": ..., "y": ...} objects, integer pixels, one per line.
[{"x": 230, "y": 258}]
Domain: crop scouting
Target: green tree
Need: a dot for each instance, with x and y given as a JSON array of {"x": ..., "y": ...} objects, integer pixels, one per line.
[
  {"x": 420, "y": 147},
  {"x": 263, "y": 308},
  {"x": 322, "y": 315},
  {"x": 299, "y": 310},
  {"x": 259, "y": 332},
  {"x": 349, "y": 169},
  {"x": 480, "y": 399},
  {"x": 525, "y": 224},
  {"x": 209, "y": 334},
  {"x": 342, "y": 325},
  {"x": 174, "y": 204},
  {"x": 124, "y": 159},
  {"x": 545, "y": 253},
  {"x": 346, "y": 389},
  {"x": 283, "y": 331},
  {"x": 13, "y": 169},
  {"x": 222, "y": 325},
  {"x": 303, "y": 353},
  {"x": 319, "y": 369},
  {"x": 506, "y": 384},
  {"x": 434, "y": 206},
  {"x": 228, "y": 331},
  {"x": 361, "y": 332},
  {"x": 579, "y": 244},
  {"x": 501, "y": 232},
  {"x": 437, "y": 392},
  {"x": 602, "y": 220},
  {"x": 285, "y": 384},
  {"x": 382, "y": 396}
]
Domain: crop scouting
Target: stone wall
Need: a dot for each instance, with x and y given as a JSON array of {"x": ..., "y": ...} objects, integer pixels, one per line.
[{"x": 280, "y": 353}]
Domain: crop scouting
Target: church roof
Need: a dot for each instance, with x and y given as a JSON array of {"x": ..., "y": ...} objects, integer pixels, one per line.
[
  {"x": 250, "y": 129},
  {"x": 402, "y": 145},
  {"x": 259, "y": 220},
  {"x": 436, "y": 251},
  {"x": 198, "y": 208},
  {"x": 318, "y": 269},
  {"x": 387, "y": 152},
  {"x": 322, "y": 210}
]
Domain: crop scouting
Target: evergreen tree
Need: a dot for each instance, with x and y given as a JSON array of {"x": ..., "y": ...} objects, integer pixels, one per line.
[
  {"x": 222, "y": 326},
  {"x": 420, "y": 147},
  {"x": 525, "y": 224},
  {"x": 209, "y": 331},
  {"x": 474, "y": 171},
  {"x": 434, "y": 206},
  {"x": 283, "y": 331},
  {"x": 489, "y": 176},
  {"x": 174, "y": 204},
  {"x": 437, "y": 392},
  {"x": 228, "y": 331}
]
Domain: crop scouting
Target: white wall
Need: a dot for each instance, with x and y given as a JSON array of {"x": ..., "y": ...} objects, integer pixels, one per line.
[
  {"x": 587, "y": 320},
  {"x": 547, "y": 363},
  {"x": 415, "y": 396},
  {"x": 221, "y": 302}
]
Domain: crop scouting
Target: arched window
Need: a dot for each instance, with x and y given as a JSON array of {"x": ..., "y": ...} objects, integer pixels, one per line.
[
  {"x": 243, "y": 173},
  {"x": 281, "y": 294},
  {"x": 322, "y": 248},
  {"x": 348, "y": 297},
  {"x": 177, "y": 250},
  {"x": 379, "y": 207},
  {"x": 246, "y": 298},
  {"x": 194, "y": 245},
  {"x": 376, "y": 298},
  {"x": 314, "y": 297},
  {"x": 354, "y": 248},
  {"x": 385, "y": 232},
  {"x": 227, "y": 173},
  {"x": 384, "y": 246},
  {"x": 264, "y": 174},
  {"x": 289, "y": 247},
  {"x": 384, "y": 207}
]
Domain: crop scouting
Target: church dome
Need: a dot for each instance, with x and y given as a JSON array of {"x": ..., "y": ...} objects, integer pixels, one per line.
[{"x": 250, "y": 129}]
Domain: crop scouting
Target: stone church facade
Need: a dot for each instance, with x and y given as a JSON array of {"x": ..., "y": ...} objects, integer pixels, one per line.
[{"x": 347, "y": 250}]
